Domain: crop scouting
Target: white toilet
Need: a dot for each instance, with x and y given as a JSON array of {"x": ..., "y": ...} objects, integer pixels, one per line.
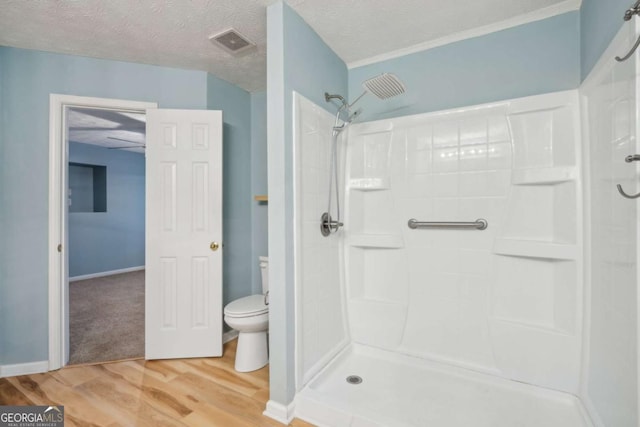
[{"x": 250, "y": 317}]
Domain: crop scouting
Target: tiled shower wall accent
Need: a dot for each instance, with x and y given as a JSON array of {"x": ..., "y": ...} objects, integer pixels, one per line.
[
  {"x": 504, "y": 300},
  {"x": 321, "y": 330},
  {"x": 610, "y": 92}
]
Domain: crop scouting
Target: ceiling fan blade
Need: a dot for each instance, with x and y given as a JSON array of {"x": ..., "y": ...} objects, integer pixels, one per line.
[
  {"x": 111, "y": 115},
  {"x": 126, "y": 140},
  {"x": 103, "y": 129},
  {"x": 125, "y": 148}
]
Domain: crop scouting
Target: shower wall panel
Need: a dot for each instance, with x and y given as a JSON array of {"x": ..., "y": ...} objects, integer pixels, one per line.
[
  {"x": 611, "y": 123},
  {"x": 505, "y": 300},
  {"x": 320, "y": 322}
]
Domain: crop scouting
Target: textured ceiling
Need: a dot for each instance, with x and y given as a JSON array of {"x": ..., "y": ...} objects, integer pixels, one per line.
[
  {"x": 175, "y": 32},
  {"x": 164, "y": 32},
  {"x": 107, "y": 128}
]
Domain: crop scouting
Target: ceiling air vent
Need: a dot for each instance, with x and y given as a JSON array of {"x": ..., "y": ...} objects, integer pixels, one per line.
[{"x": 232, "y": 41}]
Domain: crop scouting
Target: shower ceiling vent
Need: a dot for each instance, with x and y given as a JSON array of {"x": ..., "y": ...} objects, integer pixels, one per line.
[{"x": 232, "y": 41}]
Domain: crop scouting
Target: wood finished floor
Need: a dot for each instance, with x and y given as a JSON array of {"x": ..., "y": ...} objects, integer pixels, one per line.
[{"x": 182, "y": 392}]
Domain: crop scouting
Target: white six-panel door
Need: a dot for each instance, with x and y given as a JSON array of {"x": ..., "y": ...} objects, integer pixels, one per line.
[{"x": 183, "y": 234}]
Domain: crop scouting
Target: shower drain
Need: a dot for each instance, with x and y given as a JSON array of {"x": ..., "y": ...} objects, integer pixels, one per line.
[{"x": 354, "y": 379}]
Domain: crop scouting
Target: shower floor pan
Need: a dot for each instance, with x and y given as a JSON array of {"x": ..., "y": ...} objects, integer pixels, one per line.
[{"x": 403, "y": 391}]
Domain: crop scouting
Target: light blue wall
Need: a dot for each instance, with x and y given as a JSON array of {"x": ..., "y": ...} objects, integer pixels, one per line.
[
  {"x": 26, "y": 80},
  {"x": 538, "y": 57},
  {"x": 81, "y": 187},
  {"x": 600, "y": 21},
  {"x": 297, "y": 60},
  {"x": 259, "y": 217},
  {"x": 237, "y": 198},
  {"x": 112, "y": 240}
]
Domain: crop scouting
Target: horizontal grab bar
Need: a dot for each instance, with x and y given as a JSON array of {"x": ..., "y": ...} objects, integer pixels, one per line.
[{"x": 479, "y": 224}]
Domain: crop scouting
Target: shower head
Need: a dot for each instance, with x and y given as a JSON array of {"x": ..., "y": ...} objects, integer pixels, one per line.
[
  {"x": 346, "y": 121},
  {"x": 384, "y": 86}
]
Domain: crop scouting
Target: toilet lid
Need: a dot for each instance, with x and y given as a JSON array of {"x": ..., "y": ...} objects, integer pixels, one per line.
[{"x": 248, "y": 306}]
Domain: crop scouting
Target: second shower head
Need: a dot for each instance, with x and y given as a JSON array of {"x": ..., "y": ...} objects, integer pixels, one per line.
[{"x": 384, "y": 86}]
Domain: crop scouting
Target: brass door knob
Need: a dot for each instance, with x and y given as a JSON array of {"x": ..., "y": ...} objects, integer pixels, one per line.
[{"x": 214, "y": 246}]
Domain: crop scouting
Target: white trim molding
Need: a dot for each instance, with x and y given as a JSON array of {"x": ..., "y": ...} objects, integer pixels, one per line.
[
  {"x": 279, "y": 412},
  {"x": 536, "y": 15},
  {"x": 24, "y": 368},
  {"x": 58, "y": 258},
  {"x": 106, "y": 273}
]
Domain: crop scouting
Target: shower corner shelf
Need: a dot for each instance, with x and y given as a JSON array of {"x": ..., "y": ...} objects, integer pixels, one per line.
[
  {"x": 536, "y": 249},
  {"x": 380, "y": 241},
  {"x": 369, "y": 184},
  {"x": 544, "y": 176}
]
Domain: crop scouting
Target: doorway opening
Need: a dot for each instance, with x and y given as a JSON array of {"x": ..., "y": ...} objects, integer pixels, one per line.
[
  {"x": 96, "y": 150},
  {"x": 183, "y": 228},
  {"x": 105, "y": 233}
]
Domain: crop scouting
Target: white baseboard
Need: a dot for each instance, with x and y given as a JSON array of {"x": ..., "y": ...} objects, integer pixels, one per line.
[
  {"x": 24, "y": 369},
  {"x": 105, "y": 273},
  {"x": 229, "y": 335},
  {"x": 279, "y": 412}
]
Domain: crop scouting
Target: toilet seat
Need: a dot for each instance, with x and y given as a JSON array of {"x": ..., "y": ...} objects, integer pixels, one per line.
[{"x": 250, "y": 306}]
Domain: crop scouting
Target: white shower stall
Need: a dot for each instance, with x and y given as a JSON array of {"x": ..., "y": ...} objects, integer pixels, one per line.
[{"x": 529, "y": 322}]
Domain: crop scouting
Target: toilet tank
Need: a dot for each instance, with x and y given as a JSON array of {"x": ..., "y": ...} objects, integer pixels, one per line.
[{"x": 264, "y": 269}]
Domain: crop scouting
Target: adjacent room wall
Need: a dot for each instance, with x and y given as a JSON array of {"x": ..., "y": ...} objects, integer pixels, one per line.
[
  {"x": 259, "y": 218},
  {"x": 236, "y": 198},
  {"x": 112, "y": 240},
  {"x": 599, "y": 21},
  {"x": 26, "y": 80},
  {"x": 538, "y": 57},
  {"x": 297, "y": 60}
]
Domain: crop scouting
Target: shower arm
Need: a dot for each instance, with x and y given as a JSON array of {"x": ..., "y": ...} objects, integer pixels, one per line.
[
  {"x": 328, "y": 97},
  {"x": 358, "y": 99}
]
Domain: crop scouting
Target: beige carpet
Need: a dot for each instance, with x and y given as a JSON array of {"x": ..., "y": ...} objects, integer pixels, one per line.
[{"x": 106, "y": 318}]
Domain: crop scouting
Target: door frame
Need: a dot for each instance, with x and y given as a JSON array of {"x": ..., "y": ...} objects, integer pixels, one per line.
[{"x": 58, "y": 179}]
